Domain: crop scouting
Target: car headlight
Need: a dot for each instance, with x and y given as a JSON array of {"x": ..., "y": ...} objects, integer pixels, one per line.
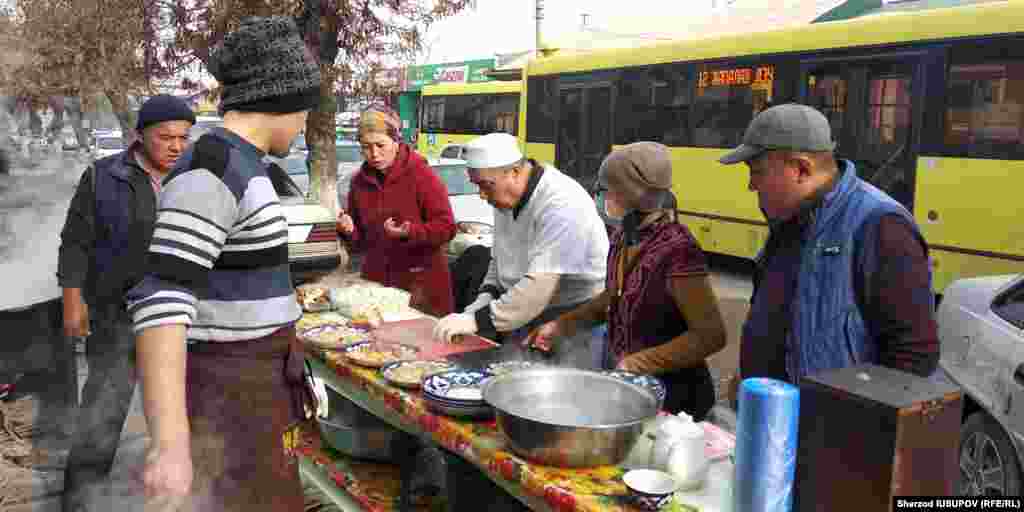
[{"x": 474, "y": 228}]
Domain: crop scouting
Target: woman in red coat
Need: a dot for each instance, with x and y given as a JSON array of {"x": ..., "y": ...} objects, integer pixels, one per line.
[{"x": 399, "y": 216}]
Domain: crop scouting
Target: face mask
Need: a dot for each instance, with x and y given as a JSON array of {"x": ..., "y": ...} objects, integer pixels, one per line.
[{"x": 602, "y": 208}]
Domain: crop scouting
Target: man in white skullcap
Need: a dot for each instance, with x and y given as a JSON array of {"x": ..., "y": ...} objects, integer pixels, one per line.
[{"x": 549, "y": 254}]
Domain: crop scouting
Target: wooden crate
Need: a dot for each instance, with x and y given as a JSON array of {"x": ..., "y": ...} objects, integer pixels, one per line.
[{"x": 869, "y": 433}]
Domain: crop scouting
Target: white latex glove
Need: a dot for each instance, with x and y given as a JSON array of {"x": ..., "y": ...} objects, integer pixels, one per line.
[
  {"x": 483, "y": 300},
  {"x": 453, "y": 325}
]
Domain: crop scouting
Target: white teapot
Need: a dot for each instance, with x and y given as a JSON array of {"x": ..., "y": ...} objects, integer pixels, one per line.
[{"x": 679, "y": 450}]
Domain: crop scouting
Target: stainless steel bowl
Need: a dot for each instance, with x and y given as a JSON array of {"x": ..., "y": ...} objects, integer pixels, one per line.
[{"x": 567, "y": 417}]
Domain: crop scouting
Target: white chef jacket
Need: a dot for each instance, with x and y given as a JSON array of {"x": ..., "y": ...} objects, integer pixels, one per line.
[{"x": 558, "y": 231}]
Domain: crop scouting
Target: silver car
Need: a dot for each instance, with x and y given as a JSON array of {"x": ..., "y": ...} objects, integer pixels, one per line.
[
  {"x": 313, "y": 246},
  {"x": 474, "y": 217},
  {"x": 981, "y": 327},
  {"x": 457, "y": 151}
]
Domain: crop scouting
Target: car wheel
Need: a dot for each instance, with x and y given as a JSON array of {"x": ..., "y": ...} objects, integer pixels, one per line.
[{"x": 988, "y": 461}]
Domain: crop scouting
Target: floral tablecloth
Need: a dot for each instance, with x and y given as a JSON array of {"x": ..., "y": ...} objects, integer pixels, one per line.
[{"x": 597, "y": 489}]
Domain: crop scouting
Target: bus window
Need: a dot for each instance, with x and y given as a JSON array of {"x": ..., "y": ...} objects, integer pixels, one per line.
[
  {"x": 984, "y": 111},
  {"x": 827, "y": 93},
  {"x": 471, "y": 113},
  {"x": 869, "y": 106},
  {"x": 726, "y": 100},
  {"x": 653, "y": 104},
  {"x": 433, "y": 114},
  {"x": 542, "y": 109},
  {"x": 889, "y": 112},
  {"x": 462, "y": 114},
  {"x": 504, "y": 114}
]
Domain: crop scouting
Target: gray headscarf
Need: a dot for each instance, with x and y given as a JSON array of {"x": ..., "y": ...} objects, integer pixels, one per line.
[{"x": 641, "y": 174}]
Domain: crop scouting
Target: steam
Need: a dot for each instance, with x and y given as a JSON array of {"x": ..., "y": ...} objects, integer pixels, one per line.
[{"x": 33, "y": 205}]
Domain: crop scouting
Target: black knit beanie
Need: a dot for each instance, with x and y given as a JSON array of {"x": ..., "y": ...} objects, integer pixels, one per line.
[
  {"x": 264, "y": 66},
  {"x": 164, "y": 107}
]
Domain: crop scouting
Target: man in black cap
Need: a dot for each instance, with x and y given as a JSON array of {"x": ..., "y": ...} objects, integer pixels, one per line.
[{"x": 103, "y": 246}]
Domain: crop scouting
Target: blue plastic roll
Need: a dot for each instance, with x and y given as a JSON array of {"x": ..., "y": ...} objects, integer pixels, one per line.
[{"x": 766, "y": 436}]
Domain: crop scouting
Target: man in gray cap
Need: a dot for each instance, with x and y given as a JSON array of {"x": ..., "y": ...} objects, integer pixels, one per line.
[
  {"x": 844, "y": 277},
  {"x": 103, "y": 247},
  {"x": 549, "y": 254}
]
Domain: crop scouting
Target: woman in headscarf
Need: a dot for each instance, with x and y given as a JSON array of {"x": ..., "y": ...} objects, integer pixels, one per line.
[
  {"x": 662, "y": 315},
  {"x": 399, "y": 216}
]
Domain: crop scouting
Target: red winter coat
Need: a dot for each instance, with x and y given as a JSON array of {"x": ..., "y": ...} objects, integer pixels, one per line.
[{"x": 410, "y": 191}]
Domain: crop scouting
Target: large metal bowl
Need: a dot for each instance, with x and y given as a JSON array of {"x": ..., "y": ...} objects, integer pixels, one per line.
[{"x": 567, "y": 417}]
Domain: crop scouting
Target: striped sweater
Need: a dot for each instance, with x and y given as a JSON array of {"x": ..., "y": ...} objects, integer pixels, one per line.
[{"x": 218, "y": 262}]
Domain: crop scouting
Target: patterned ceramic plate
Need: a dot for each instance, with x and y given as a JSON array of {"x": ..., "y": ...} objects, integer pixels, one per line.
[
  {"x": 333, "y": 335},
  {"x": 457, "y": 385},
  {"x": 409, "y": 374},
  {"x": 646, "y": 381},
  {"x": 374, "y": 354},
  {"x": 502, "y": 367}
]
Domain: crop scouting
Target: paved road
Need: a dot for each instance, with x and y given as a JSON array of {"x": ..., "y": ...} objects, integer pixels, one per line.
[{"x": 731, "y": 284}]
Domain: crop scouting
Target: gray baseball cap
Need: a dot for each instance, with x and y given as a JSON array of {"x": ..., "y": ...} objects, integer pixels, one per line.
[{"x": 789, "y": 127}]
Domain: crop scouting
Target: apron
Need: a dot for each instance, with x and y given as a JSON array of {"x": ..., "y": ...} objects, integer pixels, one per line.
[
  {"x": 241, "y": 398},
  {"x": 584, "y": 350}
]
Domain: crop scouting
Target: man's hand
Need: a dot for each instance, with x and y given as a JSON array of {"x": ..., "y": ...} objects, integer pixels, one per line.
[
  {"x": 453, "y": 325},
  {"x": 168, "y": 472},
  {"x": 394, "y": 230},
  {"x": 626, "y": 365},
  {"x": 76, "y": 314},
  {"x": 483, "y": 300},
  {"x": 543, "y": 337},
  {"x": 344, "y": 224}
]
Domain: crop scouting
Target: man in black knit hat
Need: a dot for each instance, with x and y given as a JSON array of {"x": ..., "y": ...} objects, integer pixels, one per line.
[
  {"x": 103, "y": 245},
  {"x": 217, "y": 278}
]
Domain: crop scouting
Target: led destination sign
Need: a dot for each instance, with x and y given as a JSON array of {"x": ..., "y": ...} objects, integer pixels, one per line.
[{"x": 738, "y": 76}]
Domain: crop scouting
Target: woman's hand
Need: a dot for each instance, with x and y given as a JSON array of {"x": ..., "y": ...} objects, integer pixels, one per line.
[
  {"x": 345, "y": 225},
  {"x": 625, "y": 365},
  {"x": 393, "y": 230},
  {"x": 543, "y": 337}
]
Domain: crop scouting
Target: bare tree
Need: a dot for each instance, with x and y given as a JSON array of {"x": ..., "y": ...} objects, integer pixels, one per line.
[
  {"x": 80, "y": 48},
  {"x": 352, "y": 39}
]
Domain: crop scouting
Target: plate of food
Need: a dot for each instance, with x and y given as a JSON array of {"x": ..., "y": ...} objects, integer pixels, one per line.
[
  {"x": 502, "y": 367},
  {"x": 375, "y": 354},
  {"x": 333, "y": 335},
  {"x": 459, "y": 386},
  {"x": 314, "y": 299},
  {"x": 410, "y": 374}
]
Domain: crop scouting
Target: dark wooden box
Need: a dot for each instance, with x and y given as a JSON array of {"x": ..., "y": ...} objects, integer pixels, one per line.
[{"x": 868, "y": 433}]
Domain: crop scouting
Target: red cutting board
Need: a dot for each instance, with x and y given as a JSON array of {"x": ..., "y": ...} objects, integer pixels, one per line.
[{"x": 420, "y": 333}]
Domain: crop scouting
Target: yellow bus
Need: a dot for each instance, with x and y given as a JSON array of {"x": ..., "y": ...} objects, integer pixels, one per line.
[
  {"x": 929, "y": 105},
  {"x": 452, "y": 114}
]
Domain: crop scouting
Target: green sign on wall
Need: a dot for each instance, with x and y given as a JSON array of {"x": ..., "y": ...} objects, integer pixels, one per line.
[{"x": 452, "y": 73}]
